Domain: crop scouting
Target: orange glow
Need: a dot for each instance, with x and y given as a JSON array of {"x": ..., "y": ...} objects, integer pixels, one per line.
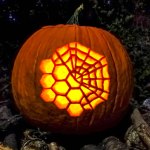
[
  {"x": 62, "y": 50},
  {"x": 104, "y": 95},
  {"x": 92, "y": 75},
  {"x": 86, "y": 81},
  {"x": 106, "y": 87},
  {"x": 69, "y": 65},
  {"x": 75, "y": 110},
  {"x": 46, "y": 66},
  {"x": 47, "y": 81},
  {"x": 86, "y": 90},
  {"x": 86, "y": 76},
  {"x": 86, "y": 66},
  {"x": 73, "y": 82},
  {"x": 98, "y": 73},
  {"x": 55, "y": 56},
  {"x": 92, "y": 88},
  {"x": 65, "y": 57},
  {"x": 80, "y": 62},
  {"x": 75, "y": 95},
  {"x": 60, "y": 72},
  {"x": 73, "y": 51},
  {"x": 58, "y": 61},
  {"x": 93, "y": 82},
  {"x": 89, "y": 60},
  {"x": 84, "y": 101},
  {"x": 60, "y": 87},
  {"x": 99, "y": 84},
  {"x": 75, "y": 79},
  {"x": 91, "y": 69},
  {"x": 61, "y": 102},
  {"x": 73, "y": 61},
  {"x": 48, "y": 95},
  {"x": 87, "y": 107},
  {"x": 82, "y": 70},
  {"x": 105, "y": 72},
  {"x": 94, "y": 55},
  {"x": 81, "y": 55},
  {"x": 96, "y": 101},
  {"x": 92, "y": 97},
  {"x": 78, "y": 77},
  {"x": 72, "y": 45},
  {"x": 103, "y": 61},
  {"x": 82, "y": 48},
  {"x": 99, "y": 92}
]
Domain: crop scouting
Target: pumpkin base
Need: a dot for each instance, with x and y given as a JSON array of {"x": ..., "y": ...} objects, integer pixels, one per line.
[{"x": 103, "y": 125}]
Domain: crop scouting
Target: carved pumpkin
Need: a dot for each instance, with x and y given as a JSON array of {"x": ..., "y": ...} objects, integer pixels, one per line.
[{"x": 72, "y": 79}]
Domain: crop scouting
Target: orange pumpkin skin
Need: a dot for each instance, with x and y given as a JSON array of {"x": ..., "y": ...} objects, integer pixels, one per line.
[{"x": 26, "y": 76}]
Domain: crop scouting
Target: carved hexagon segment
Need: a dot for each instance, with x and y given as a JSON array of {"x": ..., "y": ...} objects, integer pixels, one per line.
[
  {"x": 66, "y": 57},
  {"x": 104, "y": 61},
  {"x": 87, "y": 107},
  {"x": 86, "y": 90},
  {"x": 106, "y": 85},
  {"x": 47, "y": 95},
  {"x": 69, "y": 64},
  {"x": 61, "y": 102},
  {"x": 95, "y": 55},
  {"x": 75, "y": 110},
  {"x": 82, "y": 48},
  {"x": 72, "y": 81},
  {"x": 46, "y": 66},
  {"x": 84, "y": 101},
  {"x": 72, "y": 45},
  {"x": 75, "y": 95},
  {"x": 104, "y": 95},
  {"x": 91, "y": 97},
  {"x": 105, "y": 72},
  {"x": 60, "y": 87},
  {"x": 90, "y": 60},
  {"x": 62, "y": 50},
  {"x": 47, "y": 81},
  {"x": 60, "y": 72},
  {"x": 55, "y": 56},
  {"x": 96, "y": 101}
]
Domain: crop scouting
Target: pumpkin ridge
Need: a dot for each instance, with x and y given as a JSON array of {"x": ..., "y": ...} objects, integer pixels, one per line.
[
  {"x": 35, "y": 64},
  {"x": 101, "y": 35},
  {"x": 91, "y": 33},
  {"x": 30, "y": 53},
  {"x": 23, "y": 65},
  {"x": 109, "y": 49},
  {"x": 93, "y": 112},
  {"x": 121, "y": 48}
]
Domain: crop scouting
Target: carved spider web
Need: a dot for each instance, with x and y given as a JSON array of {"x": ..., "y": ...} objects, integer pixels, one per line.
[{"x": 78, "y": 78}]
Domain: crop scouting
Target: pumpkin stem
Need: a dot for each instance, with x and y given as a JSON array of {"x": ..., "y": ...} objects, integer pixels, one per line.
[{"x": 74, "y": 18}]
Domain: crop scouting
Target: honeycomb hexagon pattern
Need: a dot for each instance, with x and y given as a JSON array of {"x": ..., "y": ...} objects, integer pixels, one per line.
[{"x": 75, "y": 78}]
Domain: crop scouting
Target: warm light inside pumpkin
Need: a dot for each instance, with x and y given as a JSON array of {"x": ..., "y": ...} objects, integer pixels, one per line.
[{"x": 75, "y": 78}]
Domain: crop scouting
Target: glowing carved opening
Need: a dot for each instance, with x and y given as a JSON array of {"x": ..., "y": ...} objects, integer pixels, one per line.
[
  {"x": 75, "y": 95},
  {"x": 47, "y": 81},
  {"x": 60, "y": 87},
  {"x": 75, "y": 78},
  {"x": 48, "y": 95},
  {"x": 60, "y": 72},
  {"x": 75, "y": 110},
  {"x": 46, "y": 66},
  {"x": 61, "y": 102}
]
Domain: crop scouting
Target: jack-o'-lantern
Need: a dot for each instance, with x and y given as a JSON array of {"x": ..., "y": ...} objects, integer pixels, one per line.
[{"x": 72, "y": 79}]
